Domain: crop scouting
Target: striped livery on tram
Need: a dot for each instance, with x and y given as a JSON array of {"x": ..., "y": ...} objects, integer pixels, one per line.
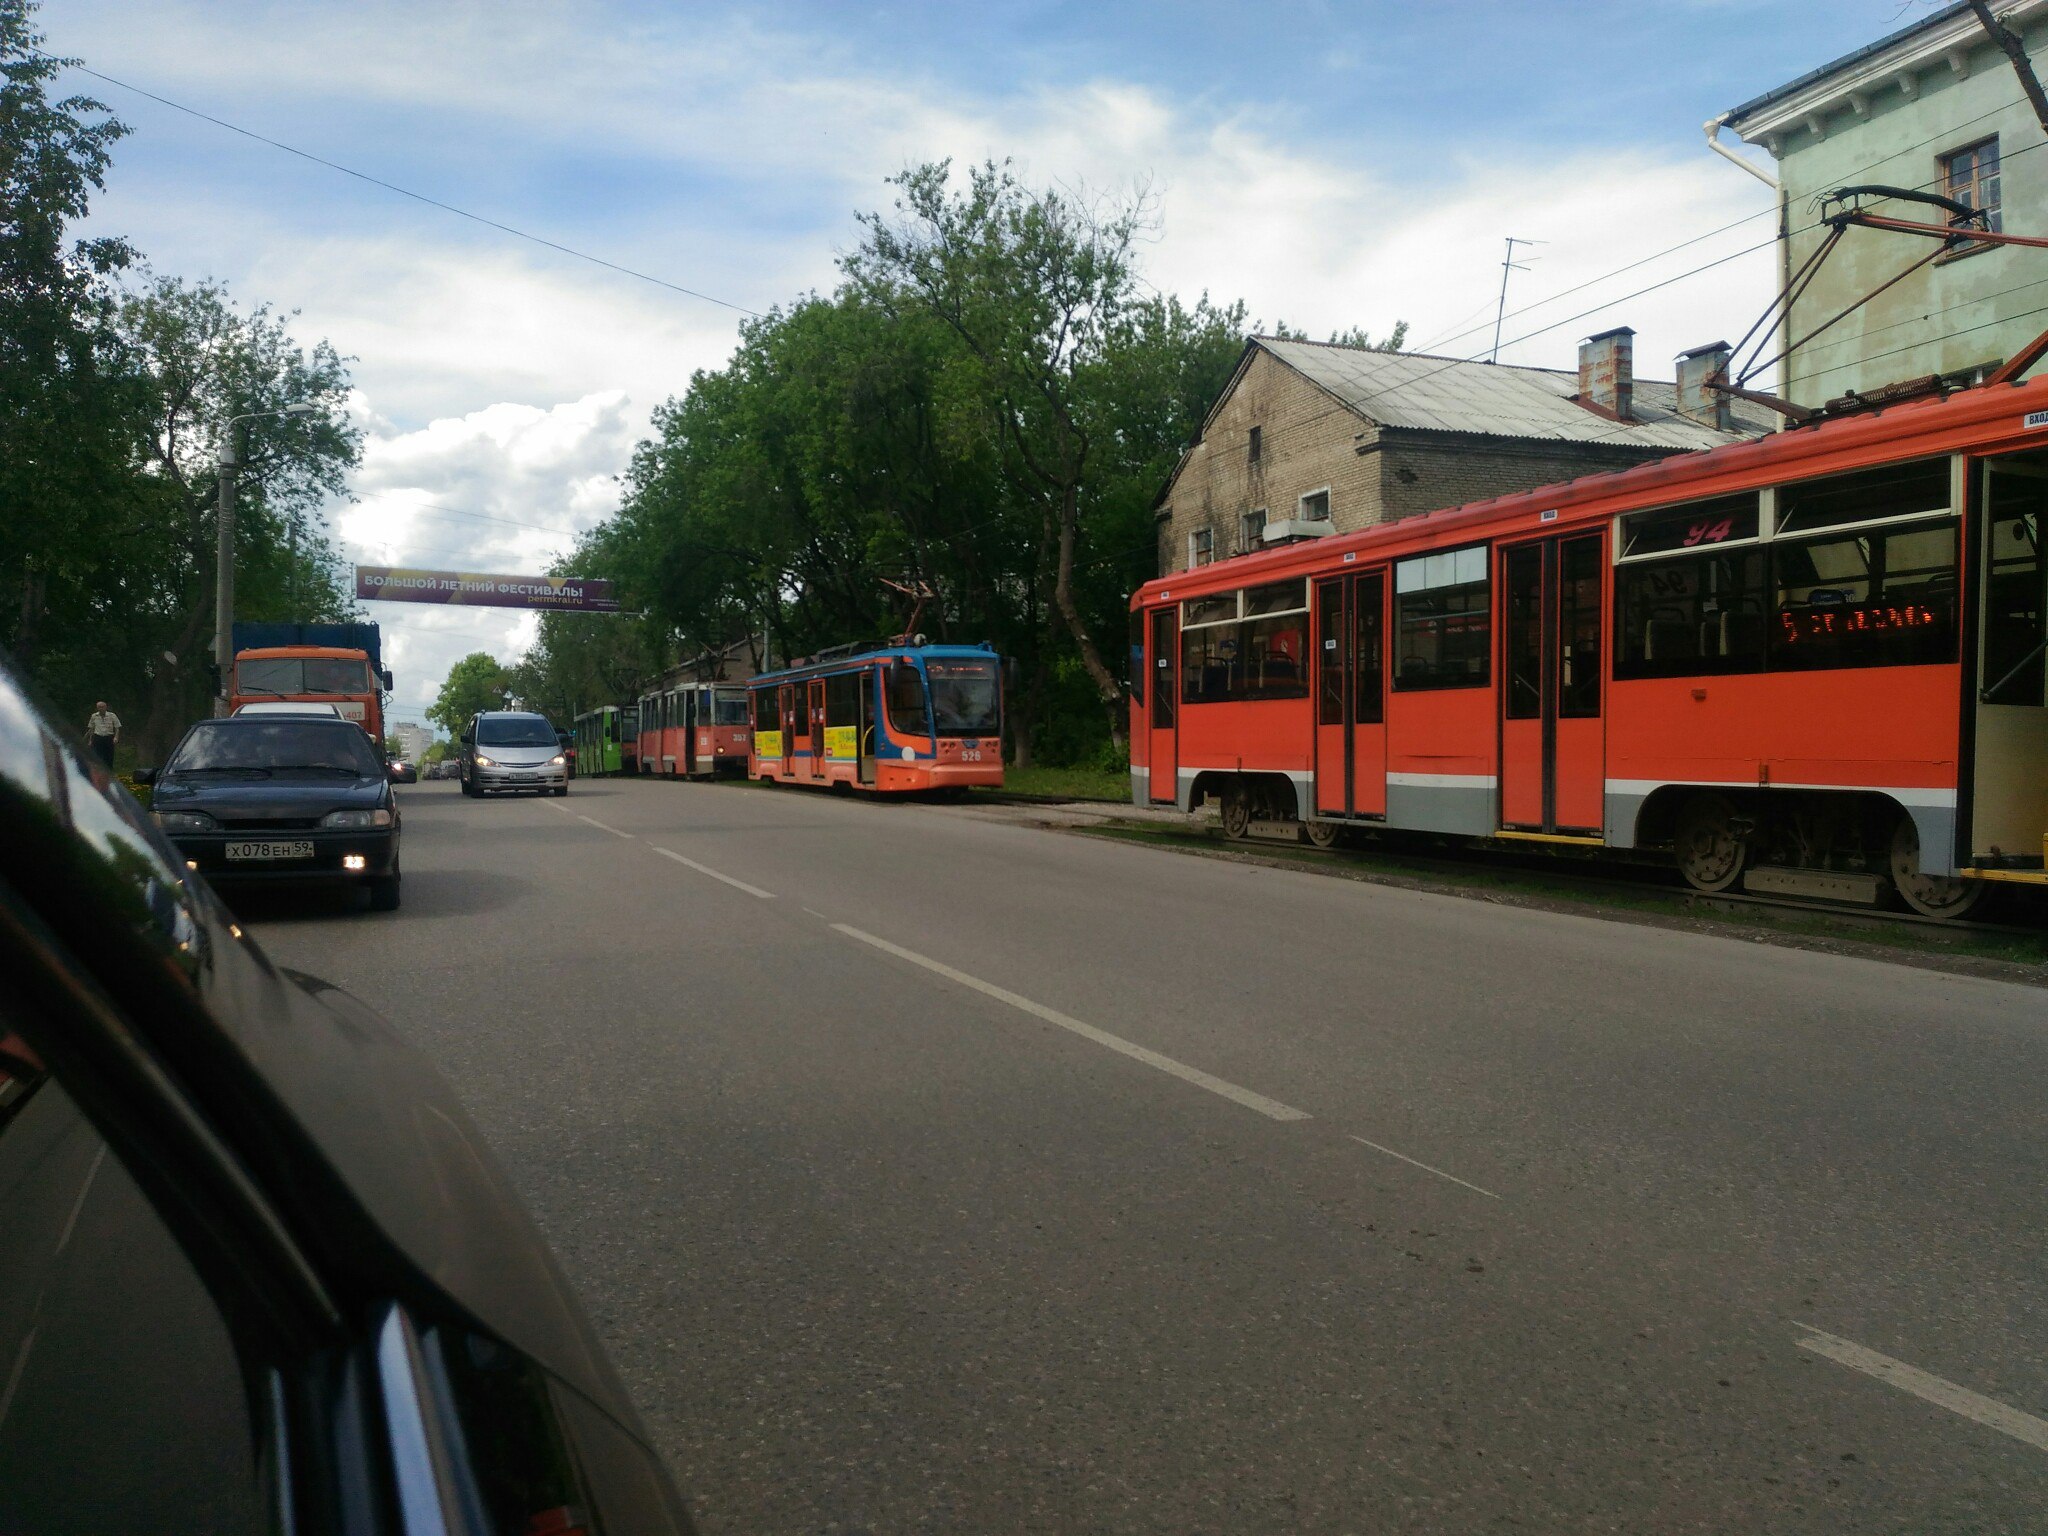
[
  {"x": 1812, "y": 664},
  {"x": 884, "y": 720}
]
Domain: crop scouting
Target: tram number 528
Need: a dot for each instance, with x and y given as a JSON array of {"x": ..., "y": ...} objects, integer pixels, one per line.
[{"x": 970, "y": 754}]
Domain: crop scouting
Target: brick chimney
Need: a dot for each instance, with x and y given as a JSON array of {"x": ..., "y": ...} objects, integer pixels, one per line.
[
  {"x": 1607, "y": 381},
  {"x": 1696, "y": 402}
]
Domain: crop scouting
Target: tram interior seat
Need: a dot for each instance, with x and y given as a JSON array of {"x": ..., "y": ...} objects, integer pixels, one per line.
[
  {"x": 1739, "y": 632},
  {"x": 1669, "y": 635}
]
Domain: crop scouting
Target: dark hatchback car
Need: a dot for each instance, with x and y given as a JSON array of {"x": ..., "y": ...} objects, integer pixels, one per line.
[
  {"x": 281, "y": 798},
  {"x": 258, "y": 1271}
]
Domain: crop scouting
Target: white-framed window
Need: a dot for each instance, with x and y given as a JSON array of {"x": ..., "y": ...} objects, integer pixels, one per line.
[
  {"x": 1314, "y": 507},
  {"x": 1201, "y": 548},
  {"x": 1970, "y": 176},
  {"x": 1251, "y": 528}
]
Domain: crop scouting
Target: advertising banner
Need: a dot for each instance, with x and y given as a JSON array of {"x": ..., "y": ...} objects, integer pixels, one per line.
[{"x": 398, "y": 584}]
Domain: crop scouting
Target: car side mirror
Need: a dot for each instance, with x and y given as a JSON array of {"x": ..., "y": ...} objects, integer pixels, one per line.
[
  {"x": 385, "y": 678},
  {"x": 144, "y": 776}
]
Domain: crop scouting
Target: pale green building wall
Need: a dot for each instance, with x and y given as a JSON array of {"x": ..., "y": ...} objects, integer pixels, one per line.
[{"x": 1962, "y": 313}]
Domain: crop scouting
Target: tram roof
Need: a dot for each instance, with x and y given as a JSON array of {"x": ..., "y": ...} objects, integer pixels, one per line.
[
  {"x": 1982, "y": 418},
  {"x": 871, "y": 653}
]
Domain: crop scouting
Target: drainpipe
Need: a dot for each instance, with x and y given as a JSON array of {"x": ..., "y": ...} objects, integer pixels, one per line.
[{"x": 1713, "y": 127}]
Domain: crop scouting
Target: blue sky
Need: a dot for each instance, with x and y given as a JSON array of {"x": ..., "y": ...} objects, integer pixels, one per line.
[{"x": 1331, "y": 164}]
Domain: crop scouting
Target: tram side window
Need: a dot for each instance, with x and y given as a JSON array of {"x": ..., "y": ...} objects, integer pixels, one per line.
[
  {"x": 1441, "y": 620},
  {"x": 1691, "y": 616},
  {"x": 766, "y": 717},
  {"x": 1244, "y": 646},
  {"x": 842, "y": 698},
  {"x": 907, "y": 716},
  {"x": 1884, "y": 598}
]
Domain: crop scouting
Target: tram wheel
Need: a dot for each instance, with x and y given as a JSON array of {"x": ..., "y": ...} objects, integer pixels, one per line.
[
  {"x": 1944, "y": 896},
  {"x": 1237, "y": 815},
  {"x": 1323, "y": 834},
  {"x": 1711, "y": 852}
]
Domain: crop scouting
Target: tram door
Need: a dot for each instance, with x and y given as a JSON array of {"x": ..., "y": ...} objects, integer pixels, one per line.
[
  {"x": 788, "y": 718},
  {"x": 817, "y": 727},
  {"x": 870, "y": 686},
  {"x": 1164, "y": 654},
  {"x": 1351, "y": 705},
  {"x": 2009, "y": 784},
  {"x": 1553, "y": 740}
]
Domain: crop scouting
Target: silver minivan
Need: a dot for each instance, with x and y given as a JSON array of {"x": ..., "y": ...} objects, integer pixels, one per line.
[{"x": 509, "y": 749}]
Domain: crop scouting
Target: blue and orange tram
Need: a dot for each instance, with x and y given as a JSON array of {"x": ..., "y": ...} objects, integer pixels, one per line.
[{"x": 882, "y": 720}]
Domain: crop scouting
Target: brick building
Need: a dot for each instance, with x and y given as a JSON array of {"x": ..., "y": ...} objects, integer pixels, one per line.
[{"x": 1308, "y": 437}]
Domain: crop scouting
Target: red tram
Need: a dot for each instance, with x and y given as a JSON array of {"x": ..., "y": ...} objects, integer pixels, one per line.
[
  {"x": 889, "y": 720},
  {"x": 694, "y": 730},
  {"x": 1813, "y": 664}
]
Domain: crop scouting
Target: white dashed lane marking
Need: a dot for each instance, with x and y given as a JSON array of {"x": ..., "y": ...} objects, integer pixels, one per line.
[
  {"x": 706, "y": 869},
  {"x": 1411, "y": 1162},
  {"x": 615, "y": 832},
  {"x": 1988, "y": 1411},
  {"x": 1271, "y": 1108}
]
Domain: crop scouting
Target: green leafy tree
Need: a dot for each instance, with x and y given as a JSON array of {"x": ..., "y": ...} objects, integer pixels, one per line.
[
  {"x": 69, "y": 406},
  {"x": 1034, "y": 286},
  {"x": 475, "y": 683},
  {"x": 206, "y": 361}
]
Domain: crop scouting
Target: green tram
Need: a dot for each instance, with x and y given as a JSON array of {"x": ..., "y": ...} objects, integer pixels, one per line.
[{"x": 605, "y": 741}]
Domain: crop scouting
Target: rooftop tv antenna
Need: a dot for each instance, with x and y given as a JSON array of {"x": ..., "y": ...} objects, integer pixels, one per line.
[{"x": 1500, "y": 311}]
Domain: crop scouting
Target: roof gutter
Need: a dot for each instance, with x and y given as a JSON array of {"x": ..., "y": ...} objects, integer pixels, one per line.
[{"x": 1713, "y": 126}]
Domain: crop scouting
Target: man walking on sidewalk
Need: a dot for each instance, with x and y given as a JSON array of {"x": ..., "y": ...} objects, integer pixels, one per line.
[{"x": 102, "y": 731}]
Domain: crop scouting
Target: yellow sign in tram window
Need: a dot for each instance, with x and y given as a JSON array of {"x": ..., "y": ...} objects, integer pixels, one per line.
[
  {"x": 767, "y": 743},
  {"x": 842, "y": 741}
]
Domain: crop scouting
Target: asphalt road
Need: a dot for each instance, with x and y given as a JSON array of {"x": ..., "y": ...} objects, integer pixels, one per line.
[{"x": 929, "y": 1172}]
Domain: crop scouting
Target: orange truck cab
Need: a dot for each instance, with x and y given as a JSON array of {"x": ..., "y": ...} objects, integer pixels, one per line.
[{"x": 323, "y": 674}]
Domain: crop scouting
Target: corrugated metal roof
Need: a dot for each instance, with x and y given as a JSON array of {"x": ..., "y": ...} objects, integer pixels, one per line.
[{"x": 1443, "y": 394}]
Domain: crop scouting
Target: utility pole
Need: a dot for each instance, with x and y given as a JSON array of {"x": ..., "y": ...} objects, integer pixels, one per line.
[
  {"x": 224, "y": 568},
  {"x": 1501, "y": 310},
  {"x": 234, "y": 436}
]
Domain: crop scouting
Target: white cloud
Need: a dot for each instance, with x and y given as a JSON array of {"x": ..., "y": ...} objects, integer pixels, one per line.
[{"x": 501, "y": 378}]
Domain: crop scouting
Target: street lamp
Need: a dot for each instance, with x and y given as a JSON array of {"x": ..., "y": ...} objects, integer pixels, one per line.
[{"x": 224, "y": 547}]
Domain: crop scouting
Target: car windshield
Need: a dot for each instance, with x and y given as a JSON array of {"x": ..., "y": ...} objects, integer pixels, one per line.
[
  {"x": 302, "y": 674},
  {"x": 274, "y": 743},
  {"x": 730, "y": 706},
  {"x": 964, "y": 696},
  {"x": 514, "y": 731}
]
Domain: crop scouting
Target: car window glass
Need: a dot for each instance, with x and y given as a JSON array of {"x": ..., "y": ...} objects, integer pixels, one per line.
[
  {"x": 270, "y": 743},
  {"x": 143, "y": 874},
  {"x": 123, "y": 1404},
  {"x": 514, "y": 731},
  {"x": 22, "y": 757}
]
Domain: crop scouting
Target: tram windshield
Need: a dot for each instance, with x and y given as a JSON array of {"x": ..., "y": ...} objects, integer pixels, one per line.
[
  {"x": 730, "y": 706},
  {"x": 965, "y": 699}
]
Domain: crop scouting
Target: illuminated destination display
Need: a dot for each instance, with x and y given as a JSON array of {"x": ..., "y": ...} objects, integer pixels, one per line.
[{"x": 1841, "y": 621}]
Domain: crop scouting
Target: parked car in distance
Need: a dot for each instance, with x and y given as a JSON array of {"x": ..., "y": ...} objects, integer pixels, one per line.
[
  {"x": 403, "y": 772},
  {"x": 280, "y": 797},
  {"x": 504, "y": 749},
  {"x": 259, "y": 1270}
]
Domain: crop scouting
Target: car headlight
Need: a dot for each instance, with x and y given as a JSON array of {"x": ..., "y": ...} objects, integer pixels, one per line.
[
  {"x": 557, "y": 760},
  {"x": 185, "y": 821},
  {"x": 485, "y": 762},
  {"x": 355, "y": 821}
]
